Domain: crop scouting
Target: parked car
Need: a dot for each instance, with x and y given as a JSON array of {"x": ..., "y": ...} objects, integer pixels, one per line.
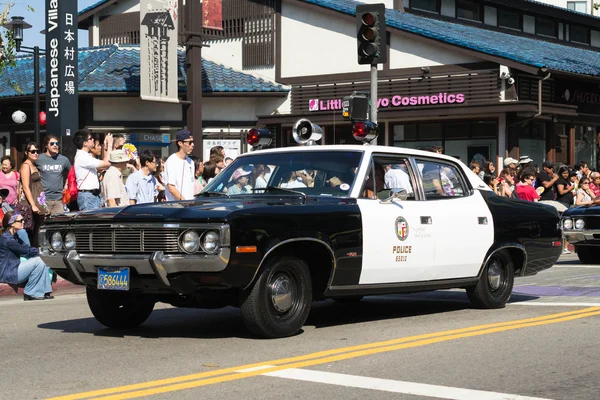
[
  {"x": 280, "y": 228},
  {"x": 581, "y": 226}
]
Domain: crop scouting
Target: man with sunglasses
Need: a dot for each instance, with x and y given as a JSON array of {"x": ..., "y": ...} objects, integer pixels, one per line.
[
  {"x": 53, "y": 168},
  {"x": 179, "y": 169}
]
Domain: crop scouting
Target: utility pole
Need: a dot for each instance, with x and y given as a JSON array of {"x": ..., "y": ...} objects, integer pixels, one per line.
[{"x": 193, "y": 50}]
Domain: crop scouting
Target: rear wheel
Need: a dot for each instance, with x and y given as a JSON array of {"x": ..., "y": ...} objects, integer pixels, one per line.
[
  {"x": 279, "y": 302},
  {"x": 496, "y": 283},
  {"x": 588, "y": 254},
  {"x": 119, "y": 310}
]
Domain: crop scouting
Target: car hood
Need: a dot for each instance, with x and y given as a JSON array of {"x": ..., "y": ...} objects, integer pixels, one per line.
[
  {"x": 204, "y": 209},
  {"x": 582, "y": 210}
]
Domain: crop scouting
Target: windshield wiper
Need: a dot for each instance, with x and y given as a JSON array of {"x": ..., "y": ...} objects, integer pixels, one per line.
[
  {"x": 213, "y": 193},
  {"x": 276, "y": 188}
]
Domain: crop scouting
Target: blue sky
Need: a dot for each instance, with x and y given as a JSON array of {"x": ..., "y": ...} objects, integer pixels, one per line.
[{"x": 33, "y": 37}]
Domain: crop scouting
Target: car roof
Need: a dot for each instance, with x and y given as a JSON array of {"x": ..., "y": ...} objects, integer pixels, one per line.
[{"x": 355, "y": 147}]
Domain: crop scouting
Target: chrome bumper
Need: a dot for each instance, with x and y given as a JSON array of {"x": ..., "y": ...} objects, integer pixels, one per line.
[
  {"x": 157, "y": 263},
  {"x": 573, "y": 236}
]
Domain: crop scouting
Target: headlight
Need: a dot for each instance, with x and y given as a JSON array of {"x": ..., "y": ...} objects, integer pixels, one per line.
[
  {"x": 189, "y": 241},
  {"x": 56, "y": 241},
  {"x": 568, "y": 224},
  {"x": 69, "y": 240},
  {"x": 579, "y": 224},
  {"x": 210, "y": 242}
]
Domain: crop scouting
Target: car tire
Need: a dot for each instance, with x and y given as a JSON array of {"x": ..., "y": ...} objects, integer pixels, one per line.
[
  {"x": 587, "y": 254},
  {"x": 119, "y": 310},
  {"x": 495, "y": 285},
  {"x": 279, "y": 302}
]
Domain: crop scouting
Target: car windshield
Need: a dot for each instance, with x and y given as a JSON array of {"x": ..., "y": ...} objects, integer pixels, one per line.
[{"x": 328, "y": 173}]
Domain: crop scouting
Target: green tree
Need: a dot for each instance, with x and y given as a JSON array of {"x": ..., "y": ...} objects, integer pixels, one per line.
[{"x": 7, "y": 43}]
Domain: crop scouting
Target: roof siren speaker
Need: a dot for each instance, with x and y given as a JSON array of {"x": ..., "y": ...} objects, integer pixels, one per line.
[{"x": 306, "y": 133}]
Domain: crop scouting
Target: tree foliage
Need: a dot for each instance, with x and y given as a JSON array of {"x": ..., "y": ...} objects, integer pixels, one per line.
[{"x": 7, "y": 43}]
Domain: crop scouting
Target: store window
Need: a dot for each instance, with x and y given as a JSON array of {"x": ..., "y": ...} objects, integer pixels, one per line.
[
  {"x": 546, "y": 27},
  {"x": 510, "y": 19},
  {"x": 579, "y": 34},
  {"x": 426, "y": 5},
  {"x": 580, "y": 6},
  {"x": 460, "y": 139},
  {"x": 585, "y": 144},
  {"x": 470, "y": 10},
  {"x": 532, "y": 142}
]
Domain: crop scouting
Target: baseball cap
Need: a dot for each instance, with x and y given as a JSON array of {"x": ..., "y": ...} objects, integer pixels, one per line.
[
  {"x": 510, "y": 160},
  {"x": 183, "y": 134},
  {"x": 239, "y": 173}
]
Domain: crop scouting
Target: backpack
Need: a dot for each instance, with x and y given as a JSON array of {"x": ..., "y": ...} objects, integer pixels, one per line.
[{"x": 71, "y": 192}]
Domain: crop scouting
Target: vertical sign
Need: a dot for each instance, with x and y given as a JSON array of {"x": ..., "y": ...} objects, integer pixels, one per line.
[
  {"x": 62, "y": 75},
  {"x": 212, "y": 14},
  {"x": 158, "y": 50}
]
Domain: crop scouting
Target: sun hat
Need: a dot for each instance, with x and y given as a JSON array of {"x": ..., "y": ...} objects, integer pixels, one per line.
[
  {"x": 525, "y": 160},
  {"x": 239, "y": 173},
  {"x": 510, "y": 160},
  {"x": 118, "y": 156}
]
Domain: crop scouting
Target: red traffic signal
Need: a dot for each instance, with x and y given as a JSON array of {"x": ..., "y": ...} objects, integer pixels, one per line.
[
  {"x": 259, "y": 137},
  {"x": 364, "y": 131},
  {"x": 42, "y": 117}
]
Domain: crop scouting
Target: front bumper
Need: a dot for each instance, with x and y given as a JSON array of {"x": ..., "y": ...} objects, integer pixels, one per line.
[
  {"x": 585, "y": 236},
  {"x": 155, "y": 264}
]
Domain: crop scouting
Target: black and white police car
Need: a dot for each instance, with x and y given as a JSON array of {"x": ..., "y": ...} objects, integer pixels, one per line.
[{"x": 280, "y": 228}]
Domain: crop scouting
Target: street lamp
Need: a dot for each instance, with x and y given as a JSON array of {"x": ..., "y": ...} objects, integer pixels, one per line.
[{"x": 16, "y": 25}]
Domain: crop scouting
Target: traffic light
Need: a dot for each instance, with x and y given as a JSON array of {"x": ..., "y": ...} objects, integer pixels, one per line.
[{"x": 371, "y": 36}]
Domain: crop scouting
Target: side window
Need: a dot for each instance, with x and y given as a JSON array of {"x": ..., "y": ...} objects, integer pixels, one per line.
[
  {"x": 441, "y": 180},
  {"x": 390, "y": 173}
]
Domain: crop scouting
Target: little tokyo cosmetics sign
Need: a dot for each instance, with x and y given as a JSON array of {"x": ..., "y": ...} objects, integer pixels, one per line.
[{"x": 396, "y": 101}]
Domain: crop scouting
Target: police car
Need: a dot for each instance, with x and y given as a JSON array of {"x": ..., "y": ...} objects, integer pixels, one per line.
[{"x": 280, "y": 228}]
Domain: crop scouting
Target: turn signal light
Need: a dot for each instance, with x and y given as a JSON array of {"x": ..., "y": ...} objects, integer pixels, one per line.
[{"x": 364, "y": 131}]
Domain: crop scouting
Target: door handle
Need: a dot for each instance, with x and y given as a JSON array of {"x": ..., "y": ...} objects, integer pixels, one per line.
[{"x": 426, "y": 221}]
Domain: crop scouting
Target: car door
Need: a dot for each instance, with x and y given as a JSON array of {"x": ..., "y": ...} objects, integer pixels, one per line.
[
  {"x": 397, "y": 235},
  {"x": 461, "y": 219}
]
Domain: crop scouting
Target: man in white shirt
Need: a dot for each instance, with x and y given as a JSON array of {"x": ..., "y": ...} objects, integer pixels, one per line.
[
  {"x": 396, "y": 178},
  {"x": 179, "y": 169},
  {"x": 87, "y": 167},
  {"x": 113, "y": 189}
]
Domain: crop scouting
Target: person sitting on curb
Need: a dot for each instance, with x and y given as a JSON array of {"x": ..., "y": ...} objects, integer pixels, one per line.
[{"x": 13, "y": 271}]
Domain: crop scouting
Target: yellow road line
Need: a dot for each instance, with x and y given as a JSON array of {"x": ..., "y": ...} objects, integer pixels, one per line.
[{"x": 196, "y": 380}]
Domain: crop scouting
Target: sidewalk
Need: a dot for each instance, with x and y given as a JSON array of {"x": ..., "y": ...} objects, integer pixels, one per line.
[{"x": 61, "y": 286}]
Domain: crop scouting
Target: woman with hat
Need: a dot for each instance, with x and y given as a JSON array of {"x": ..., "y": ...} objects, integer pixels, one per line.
[
  {"x": 240, "y": 179},
  {"x": 14, "y": 271}
]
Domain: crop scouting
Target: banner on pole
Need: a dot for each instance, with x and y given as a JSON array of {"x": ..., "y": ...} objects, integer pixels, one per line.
[
  {"x": 62, "y": 68},
  {"x": 158, "y": 50},
  {"x": 212, "y": 14}
]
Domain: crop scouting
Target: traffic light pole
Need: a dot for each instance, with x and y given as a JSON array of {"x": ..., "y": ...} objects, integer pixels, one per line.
[{"x": 374, "y": 97}]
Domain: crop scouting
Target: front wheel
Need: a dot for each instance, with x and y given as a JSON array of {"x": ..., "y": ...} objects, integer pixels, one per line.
[
  {"x": 279, "y": 302},
  {"x": 588, "y": 254},
  {"x": 119, "y": 310},
  {"x": 495, "y": 284}
]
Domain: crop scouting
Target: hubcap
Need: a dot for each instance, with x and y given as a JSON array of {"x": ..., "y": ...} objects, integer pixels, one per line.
[
  {"x": 494, "y": 274},
  {"x": 281, "y": 293}
]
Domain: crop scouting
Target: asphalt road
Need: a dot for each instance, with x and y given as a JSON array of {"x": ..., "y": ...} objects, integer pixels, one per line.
[{"x": 431, "y": 345}]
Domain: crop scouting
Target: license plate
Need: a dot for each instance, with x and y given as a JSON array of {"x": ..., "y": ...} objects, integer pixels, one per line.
[{"x": 113, "y": 278}]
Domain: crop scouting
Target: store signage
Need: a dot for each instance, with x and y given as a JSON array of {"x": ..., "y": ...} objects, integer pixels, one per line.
[
  {"x": 150, "y": 137},
  {"x": 212, "y": 14},
  {"x": 232, "y": 147},
  {"x": 394, "y": 101},
  {"x": 585, "y": 96},
  {"x": 62, "y": 75},
  {"x": 158, "y": 50}
]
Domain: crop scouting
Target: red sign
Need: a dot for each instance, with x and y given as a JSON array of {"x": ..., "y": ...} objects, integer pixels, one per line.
[{"x": 212, "y": 14}]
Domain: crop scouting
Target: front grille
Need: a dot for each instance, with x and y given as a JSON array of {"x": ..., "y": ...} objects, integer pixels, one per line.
[{"x": 126, "y": 240}]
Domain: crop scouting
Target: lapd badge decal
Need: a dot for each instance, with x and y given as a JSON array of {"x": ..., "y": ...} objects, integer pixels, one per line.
[{"x": 401, "y": 228}]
